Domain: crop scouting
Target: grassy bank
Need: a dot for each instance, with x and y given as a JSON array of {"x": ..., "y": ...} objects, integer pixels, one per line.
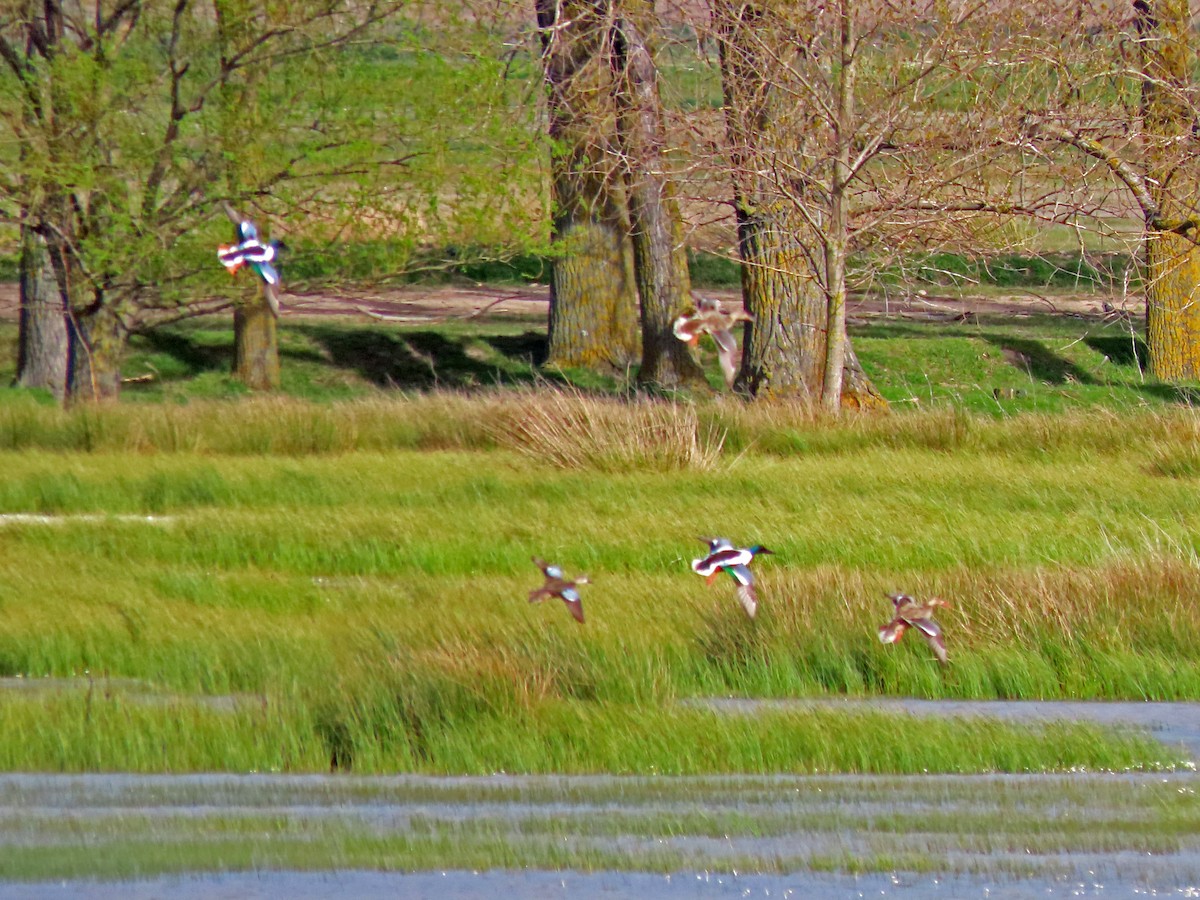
[
  {"x": 997, "y": 366},
  {"x": 344, "y": 583}
]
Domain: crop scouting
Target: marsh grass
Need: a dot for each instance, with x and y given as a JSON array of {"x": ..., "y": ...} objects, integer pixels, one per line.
[
  {"x": 371, "y": 602},
  {"x": 359, "y": 569},
  {"x": 577, "y": 428},
  {"x": 571, "y": 429}
]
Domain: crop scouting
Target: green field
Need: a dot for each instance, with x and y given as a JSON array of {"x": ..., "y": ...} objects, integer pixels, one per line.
[{"x": 196, "y": 580}]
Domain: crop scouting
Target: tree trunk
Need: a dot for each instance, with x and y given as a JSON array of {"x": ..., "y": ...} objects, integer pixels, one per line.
[
  {"x": 791, "y": 284},
  {"x": 783, "y": 349},
  {"x": 593, "y": 300},
  {"x": 97, "y": 343},
  {"x": 836, "y": 240},
  {"x": 256, "y": 349},
  {"x": 1172, "y": 260},
  {"x": 42, "y": 337},
  {"x": 1173, "y": 307},
  {"x": 659, "y": 255}
]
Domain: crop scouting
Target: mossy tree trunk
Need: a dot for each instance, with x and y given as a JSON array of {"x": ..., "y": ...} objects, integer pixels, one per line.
[
  {"x": 42, "y": 336},
  {"x": 593, "y": 294},
  {"x": 793, "y": 275},
  {"x": 783, "y": 348},
  {"x": 1172, "y": 256},
  {"x": 256, "y": 348},
  {"x": 96, "y": 330},
  {"x": 659, "y": 254},
  {"x": 97, "y": 344}
]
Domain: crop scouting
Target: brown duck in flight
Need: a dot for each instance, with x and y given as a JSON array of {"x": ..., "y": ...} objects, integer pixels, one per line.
[
  {"x": 910, "y": 613},
  {"x": 710, "y": 317},
  {"x": 558, "y": 585}
]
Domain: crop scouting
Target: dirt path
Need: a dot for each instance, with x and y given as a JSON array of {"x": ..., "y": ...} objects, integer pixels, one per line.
[
  {"x": 424, "y": 303},
  {"x": 416, "y": 304}
]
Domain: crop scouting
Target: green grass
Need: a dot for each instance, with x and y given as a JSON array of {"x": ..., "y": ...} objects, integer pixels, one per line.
[
  {"x": 998, "y": 367},
  {"x": 337, "y": 575},
  {"x": 344, "y": 583}
]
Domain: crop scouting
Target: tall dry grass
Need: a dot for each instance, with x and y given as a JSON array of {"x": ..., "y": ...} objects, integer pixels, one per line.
[{"x": 571, "y": 429}]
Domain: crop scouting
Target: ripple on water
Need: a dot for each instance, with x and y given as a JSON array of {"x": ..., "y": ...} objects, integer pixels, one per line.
[{"x": 537, "y": 885}]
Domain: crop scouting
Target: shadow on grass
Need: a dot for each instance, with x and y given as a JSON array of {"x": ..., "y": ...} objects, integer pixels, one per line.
[
  {"x": 1039, "y": 362},
  {"x": 425, "y": 359},
  {"x": 413, "y": 360},
  {"x": 530, "y": 347},
  {"x": 195, "y": 355},
  {"x": 1124, "y": 350}
]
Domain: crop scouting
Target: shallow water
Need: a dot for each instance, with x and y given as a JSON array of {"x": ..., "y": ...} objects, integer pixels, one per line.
[
  {"x": 1009, "y": 836},
  {"x": 987, "y": 836},
  {"x": 574, "y": 885}
]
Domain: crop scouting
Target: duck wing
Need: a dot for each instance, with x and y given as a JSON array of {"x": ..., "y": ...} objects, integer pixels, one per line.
[
  {"x": 931, "y": 629},
  {"x": 726, "y": 342},
  {"x": 748, "y": 597},
  {"x": 247, "y": 230},
  {"x": 270, "y": 292},
  {"x": 938, "y": 645},
  {"x": 727, "y": 360},
  {"x": 717, "y": 543},
  {"x": 571, "y": 598},
  {"x": 741, "y": 574},
  {"x": 550, "y": 571},
  {"x": 893, "y": 630}
]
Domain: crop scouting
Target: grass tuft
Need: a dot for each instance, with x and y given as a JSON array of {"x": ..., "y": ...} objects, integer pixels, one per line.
[{"x": 570, "y": 429}]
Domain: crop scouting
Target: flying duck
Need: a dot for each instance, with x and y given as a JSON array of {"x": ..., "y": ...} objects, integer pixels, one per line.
[
  {"x": 558, "y": 585},
  {"x": 910, "y": 613},
  {"x": 722, "y": 556},
  {"x": 709, "y": 317},
  {"x": 251, "y": 251}
]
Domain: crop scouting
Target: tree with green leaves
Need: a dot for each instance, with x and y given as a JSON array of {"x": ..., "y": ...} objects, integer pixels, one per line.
[{"x": 119, "y": 139}]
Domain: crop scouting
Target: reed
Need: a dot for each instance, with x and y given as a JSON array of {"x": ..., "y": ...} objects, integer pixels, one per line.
[{"x": 372, "y": 600}]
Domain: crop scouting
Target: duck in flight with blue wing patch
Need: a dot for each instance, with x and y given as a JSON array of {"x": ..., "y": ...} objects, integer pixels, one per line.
[{"x": 558, "y": 585}]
